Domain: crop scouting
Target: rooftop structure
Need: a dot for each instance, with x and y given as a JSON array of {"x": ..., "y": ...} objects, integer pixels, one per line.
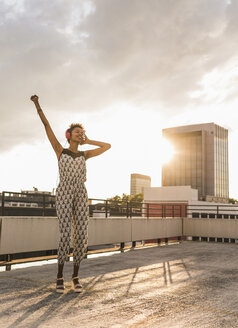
[{"x": 190, "y": 205}]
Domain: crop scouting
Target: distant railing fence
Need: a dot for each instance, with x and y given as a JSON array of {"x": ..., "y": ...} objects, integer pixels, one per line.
[
  {"x": 225, "y": 211},
  {"x": 38, "y": 204}
]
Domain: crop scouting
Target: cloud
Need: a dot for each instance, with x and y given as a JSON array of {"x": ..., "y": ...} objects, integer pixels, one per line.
[
  {"x": 157, "y": 51},
  {"x": 85, "y": 56}
]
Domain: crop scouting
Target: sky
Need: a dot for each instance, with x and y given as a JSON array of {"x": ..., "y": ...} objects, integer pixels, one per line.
[{"x": 125, "y": 70}]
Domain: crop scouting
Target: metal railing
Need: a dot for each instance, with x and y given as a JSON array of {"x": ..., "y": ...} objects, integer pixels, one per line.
[
  {"x": 15, "y": 203},
  {"x": 213, "y": 211},
  {"x": 39, "y": 204}
]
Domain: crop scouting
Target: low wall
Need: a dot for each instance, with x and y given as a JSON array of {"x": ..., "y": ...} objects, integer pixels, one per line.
[
  {"x": 214, "y": 228},
  {"x": 145, "y": 229},
  {"x": 28, "y": 234}
]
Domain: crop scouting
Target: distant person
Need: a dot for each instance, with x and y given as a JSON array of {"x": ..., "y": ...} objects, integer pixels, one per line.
[{"x": 71, "y": 195}]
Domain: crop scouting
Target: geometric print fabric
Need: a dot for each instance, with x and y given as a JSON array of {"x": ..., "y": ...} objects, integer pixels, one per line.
[
  {"x": 72, "y": 166},
  {"x": 72, "y": 207}
]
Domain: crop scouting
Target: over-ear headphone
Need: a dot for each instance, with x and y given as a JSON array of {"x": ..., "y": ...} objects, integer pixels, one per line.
[{"x": 67, "y": 134}]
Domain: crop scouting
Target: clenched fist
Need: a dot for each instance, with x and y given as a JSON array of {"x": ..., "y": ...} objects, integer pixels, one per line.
[{"x": 34, "y": 98}]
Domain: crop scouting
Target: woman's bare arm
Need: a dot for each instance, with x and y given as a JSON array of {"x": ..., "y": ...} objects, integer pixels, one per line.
[
  {"x": 50, "y": 134},
  {"x": 103, "y": 146}
]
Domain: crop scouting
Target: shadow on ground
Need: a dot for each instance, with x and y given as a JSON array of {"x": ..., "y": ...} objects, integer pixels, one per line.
[{"x": 169, "y": 286}]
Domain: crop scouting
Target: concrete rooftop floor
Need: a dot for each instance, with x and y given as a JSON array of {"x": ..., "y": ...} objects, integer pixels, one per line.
[{"x": 190, "y": 284}]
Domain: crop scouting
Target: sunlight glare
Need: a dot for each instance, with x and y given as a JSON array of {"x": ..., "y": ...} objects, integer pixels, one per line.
[{"x": 167, "y": 151}]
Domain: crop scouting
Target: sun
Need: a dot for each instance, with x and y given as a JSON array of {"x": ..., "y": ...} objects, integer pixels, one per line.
[{"x": 166, "y": 151}]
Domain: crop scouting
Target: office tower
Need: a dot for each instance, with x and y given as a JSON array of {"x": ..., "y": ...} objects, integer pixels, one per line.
[
  {"x": 138, "y": 182},
  {"x": 200, "y": 160}
]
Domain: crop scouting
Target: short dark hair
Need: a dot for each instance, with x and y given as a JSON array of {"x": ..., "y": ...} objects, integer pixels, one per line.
[{"x": 73, "y": 126}]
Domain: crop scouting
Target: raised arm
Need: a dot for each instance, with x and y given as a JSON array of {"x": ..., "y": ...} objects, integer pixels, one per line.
[
  {"x": 103, "y": 146},
  {"x": 50, "y": 134}
]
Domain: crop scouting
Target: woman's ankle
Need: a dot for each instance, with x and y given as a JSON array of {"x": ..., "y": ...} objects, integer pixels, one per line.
[{"x": 75, "y": 271}]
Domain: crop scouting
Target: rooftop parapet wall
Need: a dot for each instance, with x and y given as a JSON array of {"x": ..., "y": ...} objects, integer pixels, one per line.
[
  {"x": 25, "y": 234},
  {"x": 29, "y": 234},
  {"x": 211, "y": 228}
]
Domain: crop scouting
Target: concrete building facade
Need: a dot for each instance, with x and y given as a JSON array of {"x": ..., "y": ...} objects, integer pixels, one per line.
[
  {"x": 139, "y": 182},
  {"x": 200, "y": 160},
  {"x": 186, "y": 198}
]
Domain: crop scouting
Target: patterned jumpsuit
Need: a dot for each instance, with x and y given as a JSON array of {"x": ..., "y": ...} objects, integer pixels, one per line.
[{"x": 72, "y": 206}]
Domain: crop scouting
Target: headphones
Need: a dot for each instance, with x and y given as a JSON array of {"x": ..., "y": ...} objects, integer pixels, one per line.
[{"x": 67, "y": 134}]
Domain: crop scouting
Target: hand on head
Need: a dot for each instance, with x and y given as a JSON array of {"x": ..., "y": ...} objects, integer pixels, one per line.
[{"x": 84, "y": 139}]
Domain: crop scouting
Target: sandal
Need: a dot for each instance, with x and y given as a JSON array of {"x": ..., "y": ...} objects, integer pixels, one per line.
[
  {"x": 59, "y": 287},
  {"x": 76, "y": 286}
]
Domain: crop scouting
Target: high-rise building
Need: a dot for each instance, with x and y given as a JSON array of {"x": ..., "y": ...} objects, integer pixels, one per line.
[
  {"x": 138, "y": 182},
  {"x": 200, "y": 160}
]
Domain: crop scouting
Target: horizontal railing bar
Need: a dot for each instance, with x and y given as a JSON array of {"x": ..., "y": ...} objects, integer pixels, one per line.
[
  {"x": 107, "y": 206},
  {"x": 207, "y": 205},
  {"x": 166, "y": 208},
  {"x": 224, "y": 211}
]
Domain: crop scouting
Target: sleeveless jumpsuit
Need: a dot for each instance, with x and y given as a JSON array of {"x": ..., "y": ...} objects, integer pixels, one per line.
[{"x": 72, "y": 206}]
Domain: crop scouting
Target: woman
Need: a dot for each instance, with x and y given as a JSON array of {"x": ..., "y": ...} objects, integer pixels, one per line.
[{"x": 71, "y": 195}]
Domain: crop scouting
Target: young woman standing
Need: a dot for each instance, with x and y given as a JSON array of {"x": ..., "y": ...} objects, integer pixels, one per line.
[{"x": 71, "y": 195}]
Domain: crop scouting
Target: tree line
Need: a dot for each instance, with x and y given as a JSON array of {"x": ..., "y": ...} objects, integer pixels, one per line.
[{"x": 124, "y": 199}]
